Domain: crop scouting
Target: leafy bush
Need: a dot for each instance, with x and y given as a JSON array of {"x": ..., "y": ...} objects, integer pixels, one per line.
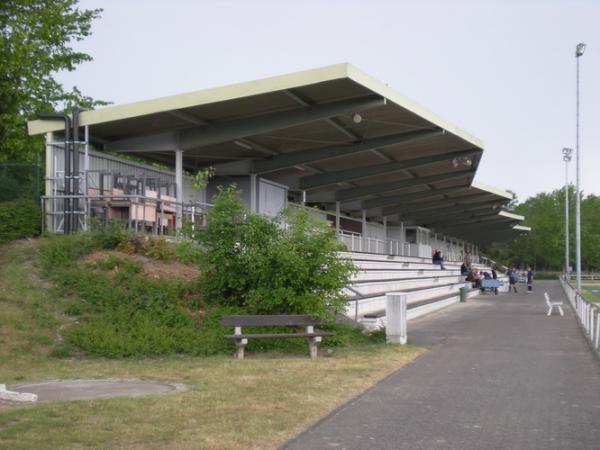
[
  {"x": 287, "y": 265},
  {"x": 188, "y": 252},
  {"x": 108, "y": 235},
  {"x": 123, "y": 313},
  {"x": 18, "y": 219},
  {"x": 63, "y": 251},
  {"x": 160, "y": 249},
  {"x": 546, "y": 276}
]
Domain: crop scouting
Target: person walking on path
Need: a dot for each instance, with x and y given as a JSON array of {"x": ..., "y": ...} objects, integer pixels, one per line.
[
  {"x": 512, "y": 279},
  {"x": 529, "y": 280}
]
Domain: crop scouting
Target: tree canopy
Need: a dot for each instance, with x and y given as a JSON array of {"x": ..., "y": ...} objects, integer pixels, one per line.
[
  {"x": 544, "y": 247},
  {"x": 36, "y": 38}
]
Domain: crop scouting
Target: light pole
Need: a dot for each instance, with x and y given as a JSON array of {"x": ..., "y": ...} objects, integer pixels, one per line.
[
  {"x": 579, "y": 50},
  {"x": 567, "y": 158}
]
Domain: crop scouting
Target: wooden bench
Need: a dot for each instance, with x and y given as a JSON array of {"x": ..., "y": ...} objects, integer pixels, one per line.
[{"x": 241, "y": 340}]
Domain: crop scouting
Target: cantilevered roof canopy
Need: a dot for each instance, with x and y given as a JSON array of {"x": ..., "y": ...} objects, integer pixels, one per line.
[
  {"x": 462, "y": 212},
  {"x": 334, "y": 132}
]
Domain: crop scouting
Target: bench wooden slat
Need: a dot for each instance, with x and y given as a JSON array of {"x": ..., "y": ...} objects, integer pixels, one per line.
[
  {"x": 272, "y": 321},
  {"x": 277, "y": 335}
]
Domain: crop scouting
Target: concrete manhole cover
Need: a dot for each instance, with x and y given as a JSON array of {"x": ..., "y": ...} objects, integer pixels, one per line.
[{"x": 64, "y": 390}]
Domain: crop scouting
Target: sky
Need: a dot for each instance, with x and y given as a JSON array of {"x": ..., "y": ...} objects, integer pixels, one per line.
[{"x": 504, "y": 71}]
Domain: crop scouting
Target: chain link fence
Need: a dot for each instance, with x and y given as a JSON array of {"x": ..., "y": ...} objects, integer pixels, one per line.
[{"x": 19, "y": 201}]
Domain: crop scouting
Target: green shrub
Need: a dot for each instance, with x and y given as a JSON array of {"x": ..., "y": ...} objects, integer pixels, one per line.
[
  {"x": 546, "y": 276},
  {"x": 287, "y": 265},
  {"x": 108, "y": 235},
  {"x": 58, "y": 251},
  {"x": 160, "y": 249},
  {"x": 121, "y": 312},
  {"x": 19, "y": 219},
  {"x": 125, "y": 265},
  {"x": 188, "y": 252}
]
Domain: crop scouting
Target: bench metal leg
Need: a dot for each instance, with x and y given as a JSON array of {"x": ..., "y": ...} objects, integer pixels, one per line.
[
  {"x": 313, "y": 346},
  {"x": 241, "y": 345}
]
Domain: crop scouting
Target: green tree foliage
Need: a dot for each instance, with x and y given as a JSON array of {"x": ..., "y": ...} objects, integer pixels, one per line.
[
  {"x": 287, "y": 265},
  {"x": 36, "y": 38},
  {"x": 544, "y": 247}
]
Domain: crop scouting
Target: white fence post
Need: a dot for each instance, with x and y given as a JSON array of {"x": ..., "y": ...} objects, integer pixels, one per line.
[
  {"x": 395, "y": 312},
  {"x": 598, "y": 330},
  {"x": 592, "y": 324}
]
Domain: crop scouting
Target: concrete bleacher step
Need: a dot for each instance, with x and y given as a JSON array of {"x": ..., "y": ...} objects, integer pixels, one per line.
[
  {"x": 428, "y": 288},
  {"x": 388, "y": 258},
  {"x": 377, "y": 275},
  {"x": 365, "y": 288},
  {"x": 394, "y": 265},
  {"x": 377, "y": 319},
  {"x": 376, "y": 301}
]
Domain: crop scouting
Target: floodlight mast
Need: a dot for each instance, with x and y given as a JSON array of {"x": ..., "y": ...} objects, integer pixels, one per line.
[
  {"x": 567, "y": 158},
  {"x": 579, "y": 50}
]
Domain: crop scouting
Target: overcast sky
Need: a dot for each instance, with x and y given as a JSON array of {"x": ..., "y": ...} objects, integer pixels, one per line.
[{"x": 502, "y": 70}]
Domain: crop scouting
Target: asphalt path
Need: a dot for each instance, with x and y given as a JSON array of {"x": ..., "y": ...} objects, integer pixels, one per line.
[{"x": 499, "y": 375}]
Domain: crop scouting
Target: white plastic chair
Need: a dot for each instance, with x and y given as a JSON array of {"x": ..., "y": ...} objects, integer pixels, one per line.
[{"x": 552, "y": 305}]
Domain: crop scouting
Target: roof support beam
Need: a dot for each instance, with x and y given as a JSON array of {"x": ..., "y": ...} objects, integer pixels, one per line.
[
  {"x": 437, "y": 206},
  {"x": 189, "y": 118},
  {"x": 362, "y": 191},
  {"x": 286, "y": 160},
  {"x": 333, "y": 122},
  {"x": 152, "y": 143},
  {"x": 317, "y": 181},
  {"x": 463, "y": 216},
  {"x": 394, "y": 199},
  {"x": 236, "y": 129},
  {"x": 490, "y": 223}
]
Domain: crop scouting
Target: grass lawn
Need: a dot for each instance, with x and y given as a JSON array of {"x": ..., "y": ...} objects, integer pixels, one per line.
[
  {"x": 591, "y": 291},
  {"x": 257, "y": 403}
]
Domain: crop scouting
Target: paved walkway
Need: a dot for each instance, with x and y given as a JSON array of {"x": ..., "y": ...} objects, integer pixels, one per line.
[{"x": 500, "y": 375}]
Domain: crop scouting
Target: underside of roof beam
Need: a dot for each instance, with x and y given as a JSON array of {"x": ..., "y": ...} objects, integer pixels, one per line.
[
  {"x": 489, "y": 224},
  {"x": 317, "y": 181},
  {"x": 462, "y": 217},
  {"x": 362, "y": 191},
  {"x": 394, "y": 199},
  {"x": 287, "y": 160},
  {"x": 437, "y": 206},
  {"x": 222, "y": 132}
]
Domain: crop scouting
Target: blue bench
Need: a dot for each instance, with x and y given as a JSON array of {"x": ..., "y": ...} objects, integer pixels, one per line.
[{"x": 492, "y": 285}]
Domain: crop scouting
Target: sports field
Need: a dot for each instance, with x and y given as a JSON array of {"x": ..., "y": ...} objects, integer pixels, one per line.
[{"x": 591, "y": 291}]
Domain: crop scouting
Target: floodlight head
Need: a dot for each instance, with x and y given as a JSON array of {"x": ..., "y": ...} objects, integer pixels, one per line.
[
  {"x": 566, "y": 158},
  {"x": 462, "y": 160},
  {"x": 579, "y": 50},
  {"x": 567, "y": 151}
]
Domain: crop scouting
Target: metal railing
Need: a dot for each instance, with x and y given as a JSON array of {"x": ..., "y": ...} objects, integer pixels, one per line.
[
  {"x": 356, "y": 242},
  {"x": 143, "y": 211},
  {"x": 588, "y": 313}
]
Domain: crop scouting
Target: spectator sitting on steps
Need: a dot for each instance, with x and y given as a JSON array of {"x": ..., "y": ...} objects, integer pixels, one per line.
[
  {"x": 464, "y": 270},
  {"x": 474, "y": 278},
  {"x": 438, "y": 259}
]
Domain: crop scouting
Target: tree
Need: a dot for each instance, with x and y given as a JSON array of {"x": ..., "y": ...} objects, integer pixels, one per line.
[
  {"x": 543, "y": 247},
  {"x": 36, "y": 38}
]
